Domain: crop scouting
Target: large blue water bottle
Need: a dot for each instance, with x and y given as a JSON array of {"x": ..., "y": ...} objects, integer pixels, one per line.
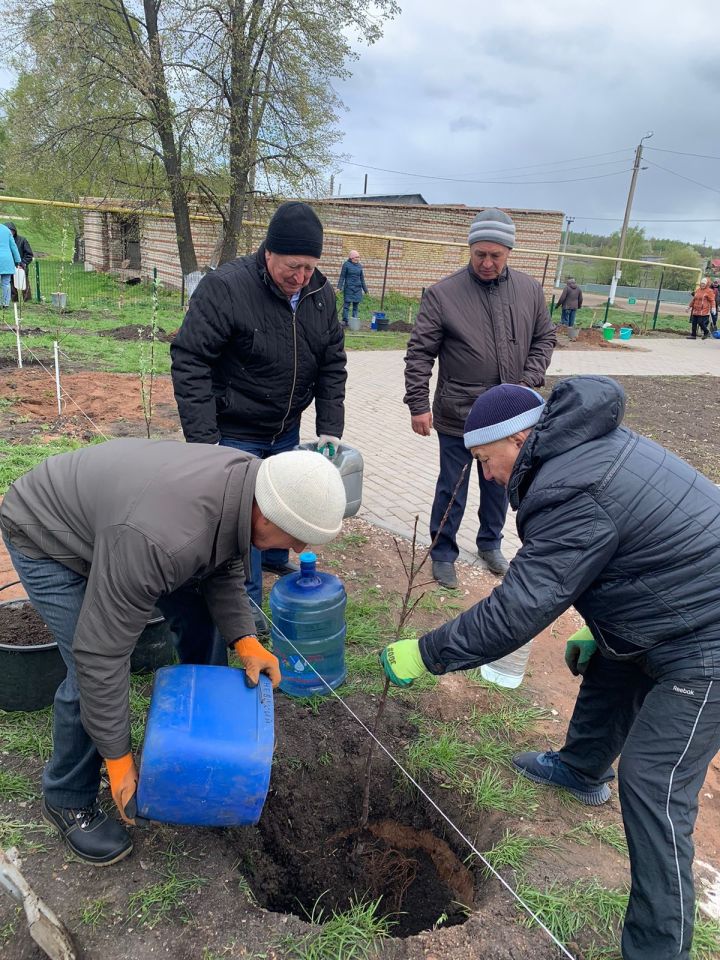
[{"x": 308, "y": 627}]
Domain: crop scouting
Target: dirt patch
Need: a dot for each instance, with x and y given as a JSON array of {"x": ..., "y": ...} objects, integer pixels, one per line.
[
  {"x": 133, "y": 332},
  {"x": 21, "y": 626},
  {"x": 401, "y": 326},
  {"x": 588, "y": 338},
  {"x": 676, "y": 412},
  {"x": 111, "y": 401}
]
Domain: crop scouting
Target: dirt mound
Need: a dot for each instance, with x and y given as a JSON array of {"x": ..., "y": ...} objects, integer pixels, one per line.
[
  {"x": 134, "y": 332},
  {"x": 401, "y": 326},
  {"x": 21, "y": 626}
]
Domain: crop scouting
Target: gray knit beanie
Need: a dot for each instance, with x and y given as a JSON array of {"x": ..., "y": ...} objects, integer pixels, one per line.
[
  {"x": 493, "y": 226},
  {"x": 301, "y": 492}
]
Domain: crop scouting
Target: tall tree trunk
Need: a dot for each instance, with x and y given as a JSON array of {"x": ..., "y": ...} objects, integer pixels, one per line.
[{"x": 170, "y": 153}]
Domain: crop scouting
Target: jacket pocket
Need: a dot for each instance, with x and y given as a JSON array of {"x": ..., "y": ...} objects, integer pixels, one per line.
[{"x": 454, "y": 399}]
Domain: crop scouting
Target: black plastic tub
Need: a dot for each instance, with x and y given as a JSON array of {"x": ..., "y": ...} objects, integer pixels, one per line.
[
  {"x": 29, "y": 675},
  {"x": 155, "y": 647}
]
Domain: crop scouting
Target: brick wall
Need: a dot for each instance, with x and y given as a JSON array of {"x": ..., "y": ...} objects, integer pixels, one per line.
[{"x": 411, "y": 266}]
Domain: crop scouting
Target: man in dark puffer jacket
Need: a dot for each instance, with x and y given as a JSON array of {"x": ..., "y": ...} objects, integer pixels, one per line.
[
  {"x": 630, "y": 534},
  {"x": 259, "y": 342}
]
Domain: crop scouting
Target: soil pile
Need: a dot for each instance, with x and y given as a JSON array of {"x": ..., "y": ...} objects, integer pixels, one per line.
[
  {"x": 134, "y": 332},
  {"x": 21, "y": 626}
]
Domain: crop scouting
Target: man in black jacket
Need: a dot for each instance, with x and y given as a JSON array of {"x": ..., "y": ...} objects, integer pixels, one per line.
[
  {"x": 259, "y": 342},
  {"x": 629, "y": 534}
]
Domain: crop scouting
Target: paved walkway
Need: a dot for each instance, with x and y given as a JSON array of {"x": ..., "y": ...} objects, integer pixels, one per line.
[{"x": 401, "y": 468}]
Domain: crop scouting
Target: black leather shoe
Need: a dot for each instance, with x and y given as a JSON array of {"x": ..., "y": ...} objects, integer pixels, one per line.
[
  {"x": 281, "y": 568},
  {"x": 496, "y": 562},
  {"x": 88, "y": 831},
  {"x": 444, "y": 572}
]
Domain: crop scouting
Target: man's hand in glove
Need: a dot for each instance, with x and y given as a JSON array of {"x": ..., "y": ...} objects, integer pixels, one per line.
[
  {"x": 123, "y": 777},
  {"x": 578, "y": 651},
  {"x": 402, "y": 662},
  {"x": 256, "y": 660},
  {"x": 328, "y": 446}
]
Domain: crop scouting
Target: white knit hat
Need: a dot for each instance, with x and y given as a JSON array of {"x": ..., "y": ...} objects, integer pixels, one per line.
[{"x": 302, "y": 493}]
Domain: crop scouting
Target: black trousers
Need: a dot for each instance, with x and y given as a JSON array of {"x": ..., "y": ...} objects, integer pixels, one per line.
[
  {"x": 661, "y": 714},
  {"x": 493, "y": 502},
  {"x": 702, "y": 322}
]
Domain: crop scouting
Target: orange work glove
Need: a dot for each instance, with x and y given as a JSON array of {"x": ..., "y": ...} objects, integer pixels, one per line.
[
  {"x": 256, "y": 660},
  {"x": 123, "y": 786}
]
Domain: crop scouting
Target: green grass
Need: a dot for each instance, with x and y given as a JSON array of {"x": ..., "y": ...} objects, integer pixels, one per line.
[
  {"x": 491, "y": 791},
  {"x": 589, "y": 316},
  {"x": 611, "y": 834},
  {"x": 27, "y": 734},
  {"x": 17, "y": 458},
  {"x": 164, "y": 899},
  {"x": 441, "y": 750},
  {"x": 139, "y": 706},
  {"x": 367, "y": 616},
  {"x": 95, "y": 912},
  {"x": 512, "y": 850},
  {"x": 352, "y": 934},
  {"x": 16, "y": 786},
  {"x": 509, "y": 720},
  {"x": 21, "y": 834}
]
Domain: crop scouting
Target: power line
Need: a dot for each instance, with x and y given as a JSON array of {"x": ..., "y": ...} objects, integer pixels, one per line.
[
  {"x": 502, "y": 170},
  {"x": 681, "y": 153},
  {"x": 651, "y": 220},
  {"x": 683, "y": 177},
  {"x": 519, "y": 183}
]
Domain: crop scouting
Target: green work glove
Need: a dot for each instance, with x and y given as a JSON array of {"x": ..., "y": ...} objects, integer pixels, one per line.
[
  {"x": 578, "y": 651},
  {"x": 328, "y": 446},
  {"x": 402, "y": 662}
]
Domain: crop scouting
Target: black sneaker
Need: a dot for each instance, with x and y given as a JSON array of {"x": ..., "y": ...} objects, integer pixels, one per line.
[{"x": 89, "y": 833}]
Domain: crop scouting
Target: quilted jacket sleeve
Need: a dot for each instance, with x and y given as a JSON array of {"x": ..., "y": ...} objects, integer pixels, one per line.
[{"x": 565, "y": 548}]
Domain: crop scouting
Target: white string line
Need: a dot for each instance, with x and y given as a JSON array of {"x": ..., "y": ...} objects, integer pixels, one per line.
[
  {"x": 427, "y": 796},
  {"x": 64, "y": 395}
]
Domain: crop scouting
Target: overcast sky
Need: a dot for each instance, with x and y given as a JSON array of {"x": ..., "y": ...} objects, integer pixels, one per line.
[{"x": 473, "y": 91}]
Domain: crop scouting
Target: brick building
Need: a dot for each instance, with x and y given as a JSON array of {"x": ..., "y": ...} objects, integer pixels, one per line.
[{"x": 136, "y": 242}]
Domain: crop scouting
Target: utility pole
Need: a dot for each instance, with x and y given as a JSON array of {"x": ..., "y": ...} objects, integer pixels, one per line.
[
  {"x": 332, "y": 184},
  {"x": 561, "y": 260},
  {"x": 626, "y": 220},
  {"x": 365, "y": 187}
]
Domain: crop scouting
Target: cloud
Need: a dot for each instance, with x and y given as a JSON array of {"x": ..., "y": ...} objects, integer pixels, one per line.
[{"x": 464, "y": 123}]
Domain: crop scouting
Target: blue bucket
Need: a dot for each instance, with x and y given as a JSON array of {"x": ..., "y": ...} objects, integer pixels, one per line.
[
  {"x": 625, "y": 333},
  {"x": 208, "y": 748}
]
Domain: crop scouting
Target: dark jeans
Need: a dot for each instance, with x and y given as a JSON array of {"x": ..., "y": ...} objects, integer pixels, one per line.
[
  {"x": 493, "y": 502},
  {"x": 71, "y": 777},
  {"x": 702, "y": 322},
  {"x": 346, "y": 309},
  {"x": 263, "y": 449},
  {"x": 568, "y": 317},
  {"x": 661, "y": 714}
]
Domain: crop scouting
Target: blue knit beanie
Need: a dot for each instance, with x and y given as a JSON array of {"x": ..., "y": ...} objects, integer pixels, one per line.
[{"x": 500, "y": 412}]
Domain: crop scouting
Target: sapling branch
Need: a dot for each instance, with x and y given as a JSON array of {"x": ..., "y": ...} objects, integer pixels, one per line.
[{"x": 408, "y": 605}]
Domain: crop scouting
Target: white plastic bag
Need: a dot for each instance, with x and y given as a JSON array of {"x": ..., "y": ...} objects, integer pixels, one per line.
[{"x": 20, "y": 280}]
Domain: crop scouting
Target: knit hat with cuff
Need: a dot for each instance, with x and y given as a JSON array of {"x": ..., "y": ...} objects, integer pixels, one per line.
[
  {"x": 500, "y": 412},
  {"x": 301, "y": 492},
  {"x": 492, "y": 226},
  {"x": 295, "y": 229}
]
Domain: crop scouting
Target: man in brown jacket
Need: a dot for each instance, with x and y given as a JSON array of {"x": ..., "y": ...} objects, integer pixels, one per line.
[
  {"x": 571, "y": 300},
  {"x": 99, "y": 538},
  {"x": 486, "y": 324}
]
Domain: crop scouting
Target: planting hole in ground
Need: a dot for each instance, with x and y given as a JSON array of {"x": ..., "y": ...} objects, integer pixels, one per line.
[{"x": 307, "y": 849}]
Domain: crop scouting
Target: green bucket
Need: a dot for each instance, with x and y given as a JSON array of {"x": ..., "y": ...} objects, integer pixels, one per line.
[{"x": 608, "y": 332}]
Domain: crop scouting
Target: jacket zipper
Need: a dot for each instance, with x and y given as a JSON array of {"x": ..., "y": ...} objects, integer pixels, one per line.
[{"x": 295, "y": 362}]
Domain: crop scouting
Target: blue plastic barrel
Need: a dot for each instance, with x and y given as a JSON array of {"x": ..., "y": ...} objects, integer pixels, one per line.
[
  {"x": 208, "y": 748},
  {"x": 308, "y": 617}
]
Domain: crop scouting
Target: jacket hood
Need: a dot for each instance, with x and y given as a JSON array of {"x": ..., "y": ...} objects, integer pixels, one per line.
[
  {"x": 579, "y": 409},
  {"x": 11, "y": 227},
  {"x": 571, "y": 284}
]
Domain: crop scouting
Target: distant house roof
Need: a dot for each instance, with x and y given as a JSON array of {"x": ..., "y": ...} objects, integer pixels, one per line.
[{"x": 411, "y": 199}]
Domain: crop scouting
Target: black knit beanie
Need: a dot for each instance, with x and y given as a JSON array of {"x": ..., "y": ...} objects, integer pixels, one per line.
[
  {"x": 295, "y": 228},
  {"x": 500, "y": 412}
]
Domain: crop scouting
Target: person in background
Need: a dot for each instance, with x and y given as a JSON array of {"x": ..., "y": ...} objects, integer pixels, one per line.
[
  {"x": 715, "y": 287},
  {"x": 570, "y": 300},
  {"x": 102, "y": 536},
  {"x": 9, "y": 259},
  {"x": 352, "y": 285},
  {"x": 260, "y": 341},
  {"x": 26, "y": 258},
  {"x": 629, "y": 534},
  {"x": 486, "y": 324},
  {"x": 702, "y": 304}
]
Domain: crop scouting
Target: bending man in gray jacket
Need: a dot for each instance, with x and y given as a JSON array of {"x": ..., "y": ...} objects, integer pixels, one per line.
[
  {"x": 486, "y": 324},
  {"x": 99, "y": 538}
]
